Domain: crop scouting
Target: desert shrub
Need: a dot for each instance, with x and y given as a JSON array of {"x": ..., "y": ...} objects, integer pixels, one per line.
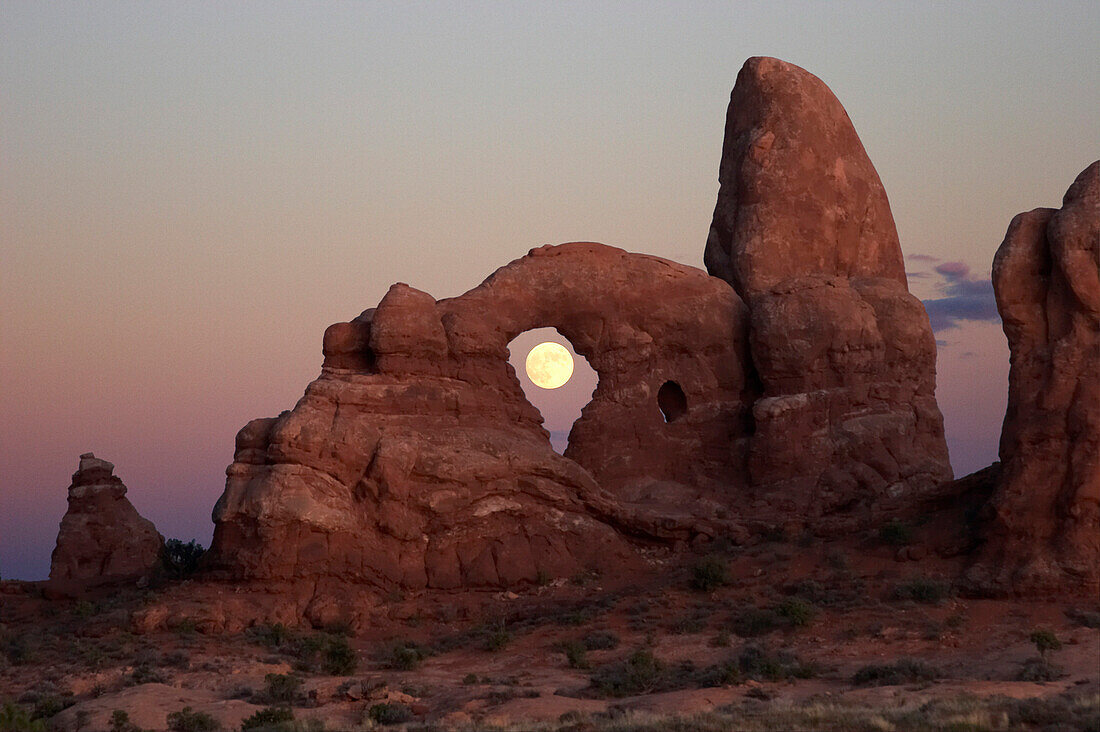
[
  {"x": 47, "y": 705},
  {"x": 188, "y": 720},
  {"x": 796, "y": 611},
  {"x": 496, "y": 638},
  {"x": 575, "y": 617},
  {"x": 185, "y": 627},
  {"x": 1056, "y": 712},
  {"x": 403, "y": 655},
  {"x": 85, "y": 609},
  {"x": 755, "y": 621},
  {"x": 120, "y": 722},
  {"x": 146, "y": 675},
  {"x": 922, "y": 589},
  {"x": 1039, "y": 669},
  {"x": 895, "y": 533},
  {"x": 693, "y": 623},
  {"x": 721, "y": 674},
  {"x": 280, "y": 689},
  {"x": 269, "y": 718},
  {"x": 180, "y": 559},
  {"x": 176, "y": 659},
  {"x": 390, "y": 713},
  {"x": 1045, "y": 641},
  {"x": 576, "y": 654},
  {"x": 955, "y": 621},
  {"x": 904, "y": 671},
  {"x": 326, "y": 652},
  {"x": 1085, "y": 618},
  {"x": 710, "y": 573},
  {"x": 756, "y": 662},
  {"x": 775, "y": 534},
  {"x": 15, "y": 718},
  {"x": 339, "y": 658},
  {"x": 271, "y": 636},
  {"x": 469, "y": 679},
  {"x": 17, "y": 649},
  {"x": 601, "y": 640},
  {"x": 636, "y": 674}
]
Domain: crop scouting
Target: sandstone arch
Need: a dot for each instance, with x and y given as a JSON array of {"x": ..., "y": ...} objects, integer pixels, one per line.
[{"x": 414, "y": 459}]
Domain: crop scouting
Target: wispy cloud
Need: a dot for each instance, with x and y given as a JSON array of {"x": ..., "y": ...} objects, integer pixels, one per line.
[{"x": 963, "y": 296}]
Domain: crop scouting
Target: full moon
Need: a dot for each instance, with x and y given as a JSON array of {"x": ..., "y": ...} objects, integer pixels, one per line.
[{"x": 549, "y": 365}]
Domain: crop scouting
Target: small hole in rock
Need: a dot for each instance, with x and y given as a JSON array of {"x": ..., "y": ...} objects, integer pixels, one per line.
[{"x": 671, "y": 400}]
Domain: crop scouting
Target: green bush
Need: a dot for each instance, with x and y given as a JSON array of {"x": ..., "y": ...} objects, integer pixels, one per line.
[
  {"x": 85, "y": 609},
  {"x": 146, "y": 675},
  {"x": 327, "y": 652},
  {"x": 18, "y": 650},
  {"x": 756, "y": 662},
  {"x": 47, "y": 705},
  {"x": 797, "y": 612},
  {"x": 390, "y": 713},
  {"x": 922, "y": 589},
  {"x": 179, "y": 559},
  {"x": 754, "y": 621},
  {"x": 1086, "y": 618},
  {"x": 638, "y": 674},
  {"x": 1039, "y": 669},
  {"x": 188, "y": 720},
  {"x": 272, "y": 636},
  {"x": 1045, "y": 641},
  {"x": 601, "y": 640},
  {"x": 404, "y": 656},
  {"x": 339, "y": 658},
  {"x": 710, "y": 573},
  {"x": 895, "y": 533},
  {"x": 271, "y": 717},
  {"x": 120, "y": 722},
  {"x": 497, "y": 638},
  {"x": 576, "y": 655},
  {"x": 14, "y": 718},
  {"x": 905, "y": 671},
  {"x": 281, "y": 689}
]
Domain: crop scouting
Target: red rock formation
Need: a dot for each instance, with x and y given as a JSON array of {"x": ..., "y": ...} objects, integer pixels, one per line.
[
  {"x": 846, "y": 423},
  {"x": 102, "y": 536},
  {"x": 1044, "y": 535},
  {"x": 415, "y": 459}
]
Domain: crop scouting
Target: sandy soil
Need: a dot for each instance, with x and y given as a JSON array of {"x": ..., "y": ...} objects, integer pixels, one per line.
[{"x": 491, "y": 658}]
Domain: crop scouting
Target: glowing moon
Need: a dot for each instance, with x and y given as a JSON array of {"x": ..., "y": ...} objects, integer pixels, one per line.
[{"x": 549, "y": 365}]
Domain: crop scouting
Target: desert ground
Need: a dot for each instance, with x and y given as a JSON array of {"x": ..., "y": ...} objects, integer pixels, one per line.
[{"x": 789, "y": 633}]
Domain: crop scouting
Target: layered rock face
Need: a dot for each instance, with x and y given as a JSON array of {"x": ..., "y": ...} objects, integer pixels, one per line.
[
  {"x": 846, "y": 422},
  {"x": 415, "y": 459},
  {"x": 1044, "y": 535},
  {"x": 102, "y": 536}
]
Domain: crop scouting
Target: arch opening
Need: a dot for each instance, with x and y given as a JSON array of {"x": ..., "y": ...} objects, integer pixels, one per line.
[
  {"x": 561, "y": 406},
  {"x": 672, "y": 401}
]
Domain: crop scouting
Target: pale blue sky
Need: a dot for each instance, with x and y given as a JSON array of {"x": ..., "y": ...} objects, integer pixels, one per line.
[{"x": 190, "y": 192}]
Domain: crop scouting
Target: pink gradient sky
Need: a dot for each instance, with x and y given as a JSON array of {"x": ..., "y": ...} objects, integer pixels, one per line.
[{"x": 191, "y": 192}]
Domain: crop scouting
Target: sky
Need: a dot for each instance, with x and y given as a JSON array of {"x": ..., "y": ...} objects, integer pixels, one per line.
[{"x": 191, "y": 192}]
